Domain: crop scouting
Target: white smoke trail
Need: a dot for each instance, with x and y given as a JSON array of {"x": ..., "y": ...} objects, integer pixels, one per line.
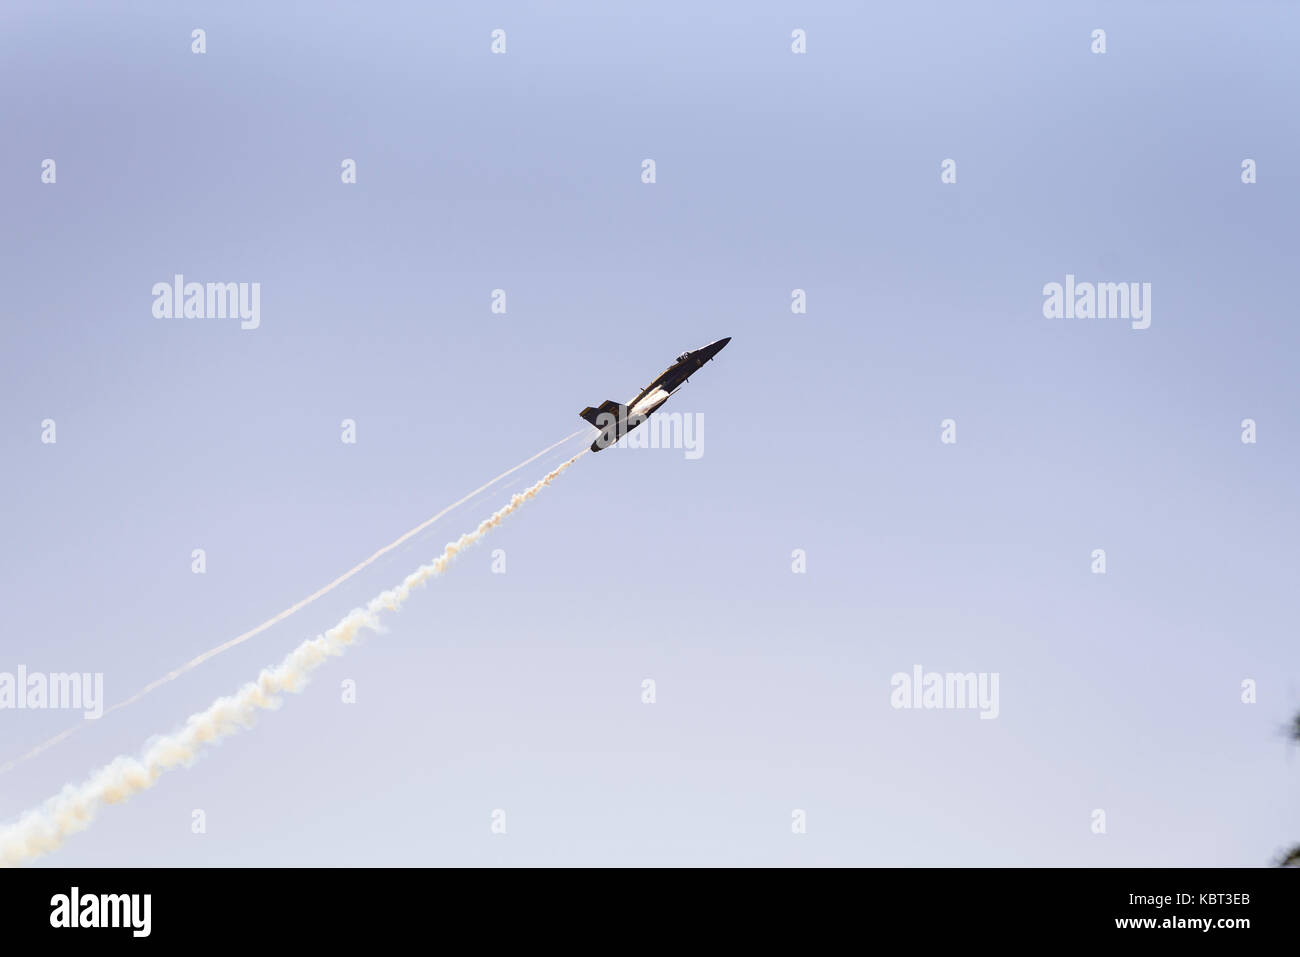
[
  {"x": 44, "y": 829},
  {"x": 281, "y": 616}
]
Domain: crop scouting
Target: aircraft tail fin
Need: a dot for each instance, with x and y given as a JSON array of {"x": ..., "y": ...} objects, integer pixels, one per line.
[{"x": 608, "y": 407}]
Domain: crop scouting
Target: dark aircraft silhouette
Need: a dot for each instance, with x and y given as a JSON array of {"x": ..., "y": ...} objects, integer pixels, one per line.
[{"x": 615, "y": 420}]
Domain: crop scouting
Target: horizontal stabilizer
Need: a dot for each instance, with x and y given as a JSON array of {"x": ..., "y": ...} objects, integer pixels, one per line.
[{"x": 607, "y": 408}]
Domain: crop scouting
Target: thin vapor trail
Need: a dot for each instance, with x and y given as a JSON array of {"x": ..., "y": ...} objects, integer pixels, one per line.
[
  {"x": 44, "y": 829},
  {"x": 276, "y": 619}
]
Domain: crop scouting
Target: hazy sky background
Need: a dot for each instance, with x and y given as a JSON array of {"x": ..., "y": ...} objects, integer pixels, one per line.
[{"x": 775, "y": 171}]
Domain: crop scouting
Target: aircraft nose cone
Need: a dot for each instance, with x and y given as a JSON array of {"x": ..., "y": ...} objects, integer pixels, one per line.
[{"x": 705, "y": 353}]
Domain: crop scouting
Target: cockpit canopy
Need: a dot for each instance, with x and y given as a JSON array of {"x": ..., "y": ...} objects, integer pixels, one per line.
[{"x": 683, "y": 357}]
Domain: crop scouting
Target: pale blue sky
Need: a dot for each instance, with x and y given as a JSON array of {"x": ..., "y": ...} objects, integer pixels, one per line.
[{"x": 775, "y": 171}]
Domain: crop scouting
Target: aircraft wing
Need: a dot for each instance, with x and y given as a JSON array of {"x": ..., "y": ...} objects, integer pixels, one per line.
[{"x": 645, "y": 404}]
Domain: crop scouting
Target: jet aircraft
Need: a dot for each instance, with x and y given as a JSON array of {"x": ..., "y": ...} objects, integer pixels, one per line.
[{"x": 616, "y": 420}]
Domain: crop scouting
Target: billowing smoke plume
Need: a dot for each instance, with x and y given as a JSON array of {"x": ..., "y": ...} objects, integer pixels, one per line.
[
  {"x": 42, "y": 830},
  {"x": 281, "y": 616}
]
